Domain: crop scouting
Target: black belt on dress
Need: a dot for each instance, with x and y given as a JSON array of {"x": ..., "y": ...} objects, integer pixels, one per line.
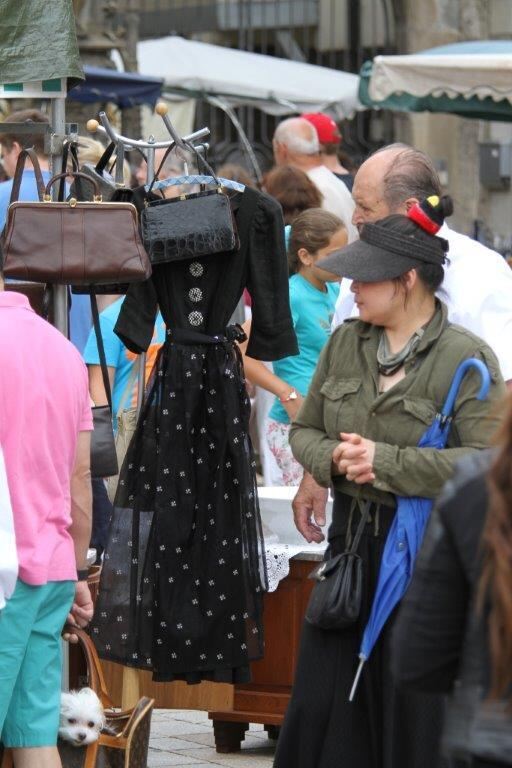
[{"x": 191, "y": 338}]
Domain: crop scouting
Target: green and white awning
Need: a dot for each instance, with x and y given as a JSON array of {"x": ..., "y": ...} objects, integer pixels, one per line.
[{"x": 45, "y": 89}]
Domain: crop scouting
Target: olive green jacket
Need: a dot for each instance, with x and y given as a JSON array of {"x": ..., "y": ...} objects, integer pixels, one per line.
[{"x": 343, "y": 397}]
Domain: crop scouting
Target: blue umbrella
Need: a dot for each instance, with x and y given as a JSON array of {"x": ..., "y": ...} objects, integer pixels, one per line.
[{"x": 408, "y": 526}]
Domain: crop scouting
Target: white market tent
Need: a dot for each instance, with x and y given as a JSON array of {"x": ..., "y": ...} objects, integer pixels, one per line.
[
  {"x": 193, "y": 69},
  {"x": 465, "y": 75}
]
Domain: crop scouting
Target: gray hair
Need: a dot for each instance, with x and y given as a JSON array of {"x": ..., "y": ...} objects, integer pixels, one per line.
[
  {"x": 289, "y": 131},
  {"x": 411, "y": 174}
]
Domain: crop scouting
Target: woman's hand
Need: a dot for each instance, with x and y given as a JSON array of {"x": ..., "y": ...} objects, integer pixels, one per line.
[{"x": 353, "y": 457}]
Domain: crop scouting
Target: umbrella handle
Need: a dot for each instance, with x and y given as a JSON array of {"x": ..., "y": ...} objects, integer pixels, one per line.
[{"x": 482, "y": 369}]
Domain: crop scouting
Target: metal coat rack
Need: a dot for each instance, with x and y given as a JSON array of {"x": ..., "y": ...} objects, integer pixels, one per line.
[{"x": 126, "y": 144}]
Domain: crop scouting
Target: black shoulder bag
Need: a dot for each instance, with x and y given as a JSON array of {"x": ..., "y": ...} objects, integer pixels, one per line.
[
  {"x": 103, "y": 447},
  {"x": 335, "y": 601}
]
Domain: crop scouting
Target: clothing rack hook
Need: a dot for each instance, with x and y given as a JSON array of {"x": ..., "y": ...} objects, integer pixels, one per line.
[
  {"x": 162, "y": 109},
  {"x": 106, "y": 130}
]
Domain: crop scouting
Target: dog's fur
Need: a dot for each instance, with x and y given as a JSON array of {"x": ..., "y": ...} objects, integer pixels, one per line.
[{"x": 81, "y": 717}]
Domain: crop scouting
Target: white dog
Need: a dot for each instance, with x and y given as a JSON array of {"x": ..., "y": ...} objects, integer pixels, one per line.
[{"x": 81, "y": 717}]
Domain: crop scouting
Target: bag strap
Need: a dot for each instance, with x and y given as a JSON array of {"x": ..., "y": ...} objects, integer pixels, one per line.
[
  {"x": 69, "y": 149},
  {"x": 101, "y": 348},
  {"x": 18, "y": 174},
  {"x": 94, "y": 670},
  {"x": 76, "y": 175},
  {"x": 365, "y": 513},
  {"x": 102, "y": 162}
]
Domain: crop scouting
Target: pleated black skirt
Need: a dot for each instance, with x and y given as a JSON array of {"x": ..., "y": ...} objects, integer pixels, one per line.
[{"x": 382, "y": 728}]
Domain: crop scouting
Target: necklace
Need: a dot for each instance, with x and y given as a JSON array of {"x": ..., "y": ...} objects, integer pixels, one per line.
[{"x": 389, "y": 362}]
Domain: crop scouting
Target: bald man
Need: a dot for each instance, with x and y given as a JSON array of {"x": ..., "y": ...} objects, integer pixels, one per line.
[
  {"x": 296, "y": 143},
  {"x": 477, "y": 287}
]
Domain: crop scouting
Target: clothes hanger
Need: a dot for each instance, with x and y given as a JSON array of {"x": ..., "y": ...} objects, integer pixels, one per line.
[{"x": 173, "y": 181}]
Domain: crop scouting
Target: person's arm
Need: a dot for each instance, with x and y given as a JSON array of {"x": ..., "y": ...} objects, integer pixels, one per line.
[
  {"x": 423, "y": 471},
  {"x": 113, "y": 348},
  {"x": 428, "y": 636},
  {"x": 258, "y": 374},
  {"x": 96, "y": 386},
  {"x": 414, "y": 471},
  {"x": 80, "y": 529}
]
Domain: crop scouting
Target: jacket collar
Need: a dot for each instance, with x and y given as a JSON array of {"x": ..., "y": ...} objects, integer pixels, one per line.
[{"x": 433, "y": 330}]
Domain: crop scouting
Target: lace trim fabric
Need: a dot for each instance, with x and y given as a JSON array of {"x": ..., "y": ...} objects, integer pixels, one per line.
[{"x": 278, "y": 558}]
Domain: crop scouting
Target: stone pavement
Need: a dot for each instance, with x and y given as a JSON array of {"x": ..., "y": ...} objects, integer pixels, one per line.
[{"x": 184, "y": 739}]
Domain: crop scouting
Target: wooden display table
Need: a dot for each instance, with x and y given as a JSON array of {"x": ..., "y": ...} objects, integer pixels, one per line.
[
  {"x": 126, "y": 685},
  {"x": 266, "y": 698}
]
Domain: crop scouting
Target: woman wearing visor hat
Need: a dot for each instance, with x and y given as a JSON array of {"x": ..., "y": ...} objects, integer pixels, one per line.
[{"x": 378, "y": 385}]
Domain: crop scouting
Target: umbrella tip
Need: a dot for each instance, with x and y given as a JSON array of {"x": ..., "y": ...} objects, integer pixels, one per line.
[{"x": 362, "y": 660}]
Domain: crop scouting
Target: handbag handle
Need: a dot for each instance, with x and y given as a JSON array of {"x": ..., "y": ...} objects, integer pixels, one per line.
[
  {"x": 20, "y": 165},
  {"x": 194, "y": 151},
  {"x": 76, "y": 175},
  {"x": 101, "y": 348},
  {"x": 365, "y": 513},
  {"x": 102, "y": 162},
  {"x": 94, "y": 671}
]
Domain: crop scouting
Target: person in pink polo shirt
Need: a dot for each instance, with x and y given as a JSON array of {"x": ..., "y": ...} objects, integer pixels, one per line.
[{"x": 45, "y": 426}]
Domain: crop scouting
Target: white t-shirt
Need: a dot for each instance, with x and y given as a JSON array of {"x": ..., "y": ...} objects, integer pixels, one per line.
[
  {"x": 9, "y": 558},
  {"x": 336, "y": 197},
  {"x": 477, "y": 289}
]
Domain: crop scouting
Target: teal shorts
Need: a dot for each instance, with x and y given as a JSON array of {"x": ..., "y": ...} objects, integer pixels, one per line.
[{"x": 31, "y": 663}]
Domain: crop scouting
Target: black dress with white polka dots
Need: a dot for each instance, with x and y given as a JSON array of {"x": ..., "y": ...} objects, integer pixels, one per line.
[{"x": 183, "y": 575}]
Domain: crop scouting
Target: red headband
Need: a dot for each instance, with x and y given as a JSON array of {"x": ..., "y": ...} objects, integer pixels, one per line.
[{"x": 418, "y": 215}]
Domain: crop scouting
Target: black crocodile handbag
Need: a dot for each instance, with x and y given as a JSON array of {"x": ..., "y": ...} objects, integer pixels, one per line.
[
  {"x": 184, "y": 228},
  {"x": 189, "y": 226}
]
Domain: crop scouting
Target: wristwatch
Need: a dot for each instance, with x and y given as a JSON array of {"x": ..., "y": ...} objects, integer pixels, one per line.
[
  {"x": 82, "y": 574},
  {"x": 292, "y": 395}
]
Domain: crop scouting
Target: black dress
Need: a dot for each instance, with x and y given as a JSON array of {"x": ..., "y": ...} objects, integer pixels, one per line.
[
  {"x": 183, "y": 575},
  {"x": 382, "y": 727}
]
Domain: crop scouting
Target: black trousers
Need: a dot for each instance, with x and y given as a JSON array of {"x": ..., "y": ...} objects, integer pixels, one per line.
[{"x": 101, "y": 513}]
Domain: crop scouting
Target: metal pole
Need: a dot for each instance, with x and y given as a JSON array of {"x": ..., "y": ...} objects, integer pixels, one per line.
[{"x": 60, "y": 292}]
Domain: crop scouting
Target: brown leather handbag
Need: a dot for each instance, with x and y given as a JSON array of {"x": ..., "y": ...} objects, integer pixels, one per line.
[{"x": 71, "y": 242}]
